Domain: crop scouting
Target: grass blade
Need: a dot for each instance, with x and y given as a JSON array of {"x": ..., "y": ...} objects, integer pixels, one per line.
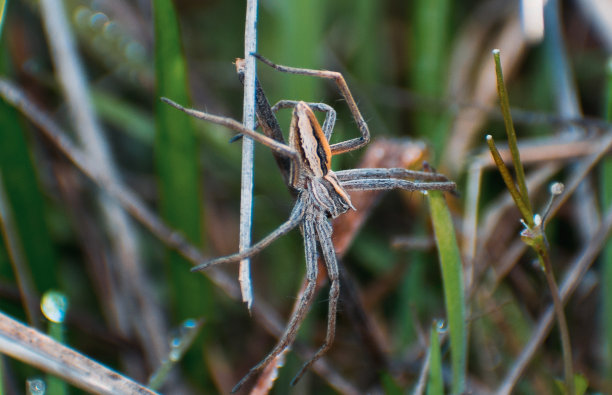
[
  {"x": 429, "y": 41},
  {"x": 435, "y": 385},
  {"x": 452, "y": 278},
  {"x": 24, "y": 197},
  {"x": 176, "y": 161}
]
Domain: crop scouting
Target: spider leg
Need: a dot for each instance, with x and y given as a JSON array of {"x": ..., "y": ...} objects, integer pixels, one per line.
[
  {"x": 385, "y": 184},
  {"x": 310, "y": 247},
  {"x": 337, "y": 77},
  {"x": 324, "y": 231},
  {"x": 294, "y": 220},
  {"x": 282, "y": 149},
  {"x": 382, "y": 173},
  {"x": 330, "y": 113}
]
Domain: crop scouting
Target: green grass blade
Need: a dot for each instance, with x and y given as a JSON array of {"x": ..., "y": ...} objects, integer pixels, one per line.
[
  {"x": 504, "y": 104},
  {"x": 452, "y": 278},
  {"x": 176, "y": 161},
  {"x": 429, "y": 41},
  {"x": 3, "y": 4},
  {"x": 24, "y": 196},
  {"x": 54, "y": 306},
  {"x": 295, "y": 49},
  {"x": 435, "y": 385}
]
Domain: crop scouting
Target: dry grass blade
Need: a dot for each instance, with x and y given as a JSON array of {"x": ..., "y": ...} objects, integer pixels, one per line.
[
  {"x": 39, "y": 350},
  {"x": 248, "y": 119}
]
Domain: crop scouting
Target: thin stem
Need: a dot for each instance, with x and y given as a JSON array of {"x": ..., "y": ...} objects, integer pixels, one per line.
[
  {"x": 248, "y": 118},
  {"x": 561, "y": 321},
  {"x": 505, "y": 173},
  {"x": 188, "y": 332},
  {"x": 579, "y": 267},
  {"x": 505, "y": 108}
]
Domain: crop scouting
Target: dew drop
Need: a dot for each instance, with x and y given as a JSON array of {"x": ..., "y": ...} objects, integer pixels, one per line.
[
  {"x": 81, "y": 16},
  {"x": 36, "y": 386},
  {"x": 98, "y": 20},
  {"x": 54, "y": 305},
  {"x": 174, "y": 355},
  {"x": 111, "y": 31},
  {"x": 441, "y": 326},
  {"x": 175, "y": 342},
  {"x": 189, "y": 323}
]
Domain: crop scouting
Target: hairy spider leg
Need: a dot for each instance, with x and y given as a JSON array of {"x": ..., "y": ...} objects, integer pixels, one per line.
[
  {"x": 344, "y": 146},
  {"x": 324, "y": 232},
  {"x": 296, "y": 217},
  {"x": 310, "y": 248}
]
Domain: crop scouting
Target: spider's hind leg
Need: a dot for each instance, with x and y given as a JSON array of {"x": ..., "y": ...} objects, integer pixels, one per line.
[
  {"x": 324, "y": 231},
  {"x": 302, "y": 306}
]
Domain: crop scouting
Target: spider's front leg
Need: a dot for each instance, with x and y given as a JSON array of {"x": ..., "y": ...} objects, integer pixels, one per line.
[
  {"x": 274, "y": 145},
  {"x": 388, "y": 173},
  {"x": 394, "y": 178},
  {"x": 294, "y": 220},
  {"x": 387, "y": 184},
  {"x": 337, "y": 77}
]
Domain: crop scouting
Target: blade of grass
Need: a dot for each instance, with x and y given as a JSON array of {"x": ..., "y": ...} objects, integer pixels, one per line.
[
  {"x": 504, "y": 103},
  {"x": 24, "y": 196},
  {"x": 297, "y": 49},
  {"x": 435, "y": 385},
  {"x": 3, "y": 4},
  {"x": 507, "y": 177},
  {"x": 176, "y": 161},
  {"x": 15, "y": 251},
  {"x": 429, "y": 39},
  {"x": 606, "y": 199},
  {"x": 452, "y": 278},
  {"x": 54, "y": 306},
  {"x": 177, "y": 164}
]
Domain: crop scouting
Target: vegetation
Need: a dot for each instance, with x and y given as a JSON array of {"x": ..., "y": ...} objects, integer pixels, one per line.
[{"x": 108, "y": 196}]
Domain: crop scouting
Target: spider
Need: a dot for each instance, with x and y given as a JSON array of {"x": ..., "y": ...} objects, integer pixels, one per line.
[{"x": 321, "y": 194}]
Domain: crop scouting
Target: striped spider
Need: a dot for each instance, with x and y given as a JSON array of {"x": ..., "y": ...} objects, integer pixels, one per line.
[{"x": 321, "y": 194}]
